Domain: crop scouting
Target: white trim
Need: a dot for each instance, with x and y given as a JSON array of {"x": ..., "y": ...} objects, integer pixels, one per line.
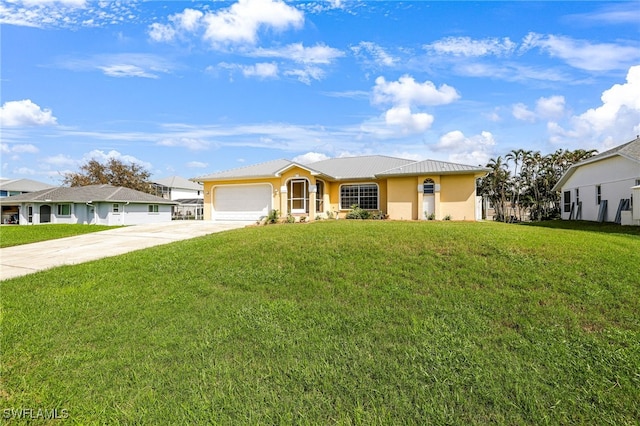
[{"x": 357, "y": 184}]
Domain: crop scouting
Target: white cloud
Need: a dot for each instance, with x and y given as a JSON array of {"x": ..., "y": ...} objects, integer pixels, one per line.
[
  {"x": 25, "y": 149},
  {"x": 120, "y": 65},
  {"x": 65, "y": 13},
  {"x": 581, "y": 54},
  {"x": 618, "y": 118},
  {"x": 318, "y": 54},
  {"x": 405, "y": 94},
  {"x": 126, "y": 70},
  {"x": 521, "y": 112},
  {"x": 379, "y": 55},
  {"x": 474, "y": 150},
  {"x": 465, "y": 46},
  {"x": 189, "y": 143},
  {"x": 547, "y": 108},
  {"x": 189, "y": 21},
  {"x": 238, "y": 24},
  {"x": 261, "y": 70},
  {"x": 409, "y": 122},
  {"x": 552, "y": 107},
  {"x": 310, "y": 157},
  {"x": 197, "y": 165},
  {"x": 306, "y": 74},
  {"x": 406, "y": 91},
  {"x": 25, "y": 113},
  {"x": 162, "y": 32},
  {"x": 71, "y": 3},
  {"x": 241, "y": 22},
  {"x": 60, "y": 160}
]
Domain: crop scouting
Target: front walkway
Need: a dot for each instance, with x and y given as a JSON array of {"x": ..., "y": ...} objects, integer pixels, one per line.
[{"x": 29, "y": 258}]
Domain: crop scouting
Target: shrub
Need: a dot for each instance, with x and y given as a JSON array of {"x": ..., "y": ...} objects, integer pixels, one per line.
[
  {"x": 290, "y": 219},
  {"x": 273, "y": 217},
  {"x": 447, "y": 217},
  {"x": 357, "y": 213}
]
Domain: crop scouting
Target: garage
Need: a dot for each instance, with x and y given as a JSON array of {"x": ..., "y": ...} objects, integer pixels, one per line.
[{"x": 242, "y": 202}]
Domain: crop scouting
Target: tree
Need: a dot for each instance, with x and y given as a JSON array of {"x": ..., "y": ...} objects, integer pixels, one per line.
[
  {"x": 113, "y": 172},
  {"x": 531, "y": 186}
]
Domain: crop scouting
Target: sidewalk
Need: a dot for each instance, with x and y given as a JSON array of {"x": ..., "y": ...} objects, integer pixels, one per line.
[{"x": 29, "y": 258}]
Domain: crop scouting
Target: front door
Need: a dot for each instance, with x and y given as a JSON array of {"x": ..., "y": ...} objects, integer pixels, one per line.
[
  {"x": 298, "y": 196},
  {"x": 45, "y": 214}
]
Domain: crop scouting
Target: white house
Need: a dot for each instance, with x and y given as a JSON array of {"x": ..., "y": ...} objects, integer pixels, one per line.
[
  {"x": 603, "y": 188},
  {"x": 92, "y": 204},
  {"x": 188, "y": 194}
]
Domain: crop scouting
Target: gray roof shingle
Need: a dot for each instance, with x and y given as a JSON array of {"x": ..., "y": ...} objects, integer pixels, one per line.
[
  {"x": 23, "y": 185},
  {"x": 85, "y": 194}
]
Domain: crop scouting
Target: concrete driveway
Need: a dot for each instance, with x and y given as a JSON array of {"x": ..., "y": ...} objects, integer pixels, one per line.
[{"x": 29, "y": 258}]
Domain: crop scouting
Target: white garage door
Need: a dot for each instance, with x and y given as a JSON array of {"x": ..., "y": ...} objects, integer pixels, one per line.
[{"x": 241, "y": 202}]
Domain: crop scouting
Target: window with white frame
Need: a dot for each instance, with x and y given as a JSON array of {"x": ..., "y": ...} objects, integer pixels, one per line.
[
  {"x": 153, "y": 208},
  {"x": 364, "y": 196},
  {"x": 64, "y": 209},
  {"x": 598, "y": 194},
  {"x": 115, "y": 208},
  {"x": 428, "y": 186}
]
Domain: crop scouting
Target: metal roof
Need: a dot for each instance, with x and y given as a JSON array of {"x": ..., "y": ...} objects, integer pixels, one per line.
[
  {"x": 365, "y": 167},
  {"x": 267, "y": 169},
  {"x": 348, "y": 168},
  {"x": 432, "y": 167},
  {"x": 85, "y": 194}
]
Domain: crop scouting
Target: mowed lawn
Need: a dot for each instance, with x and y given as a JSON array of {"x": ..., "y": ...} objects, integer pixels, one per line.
[
  {"x": 337, "y": 322},
  {"x": 13, "y": 235}
]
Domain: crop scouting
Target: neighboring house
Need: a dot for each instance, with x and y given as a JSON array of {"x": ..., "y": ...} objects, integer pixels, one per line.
[
  {"x": 9, "y": 187},
  {"x": 188, "y": 194},
  {"x": 603, "y": 188},
  {"x": 402, "y": 189},
  {"x": 92, "y": 204}
]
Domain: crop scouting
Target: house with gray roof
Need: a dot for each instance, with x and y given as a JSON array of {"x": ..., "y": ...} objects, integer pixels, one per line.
[
  {"x": 92, "y": 204},
  {"x": 605, "y": 187},
  {"x": 397, "y": 188}
]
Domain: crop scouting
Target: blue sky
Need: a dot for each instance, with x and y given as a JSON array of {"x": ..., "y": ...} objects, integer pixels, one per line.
[{"x": 190, "y": 88}]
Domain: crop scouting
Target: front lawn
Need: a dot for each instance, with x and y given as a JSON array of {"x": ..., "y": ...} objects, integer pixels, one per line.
[
  {"x": 337, "y": 322},
  {"x": 15, "y": 235}
]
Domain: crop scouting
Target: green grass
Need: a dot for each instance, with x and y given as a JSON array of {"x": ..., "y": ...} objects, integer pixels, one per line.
[
  {"x": 337, "y": 322},
  {"x": 15, "y": 235}
]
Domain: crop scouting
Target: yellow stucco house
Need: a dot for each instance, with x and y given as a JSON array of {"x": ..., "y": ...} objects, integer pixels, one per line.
[{"x": 402, "y": 189}]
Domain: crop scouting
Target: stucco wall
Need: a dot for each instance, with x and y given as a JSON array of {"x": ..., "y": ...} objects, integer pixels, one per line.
[
  {"x": 402, "y": 198},
  {"x": 457, "y": 197}
]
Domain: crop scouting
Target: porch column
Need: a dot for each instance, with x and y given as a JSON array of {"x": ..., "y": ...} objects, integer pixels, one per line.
[{"x": 420, "y": 183}]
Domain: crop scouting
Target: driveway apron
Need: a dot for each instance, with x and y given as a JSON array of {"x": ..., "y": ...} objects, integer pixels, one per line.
[{"x": 29, "y": 258}]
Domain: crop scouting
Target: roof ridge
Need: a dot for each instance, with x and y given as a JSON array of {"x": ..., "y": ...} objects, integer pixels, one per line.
[{"x": 241, "y": 167}]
